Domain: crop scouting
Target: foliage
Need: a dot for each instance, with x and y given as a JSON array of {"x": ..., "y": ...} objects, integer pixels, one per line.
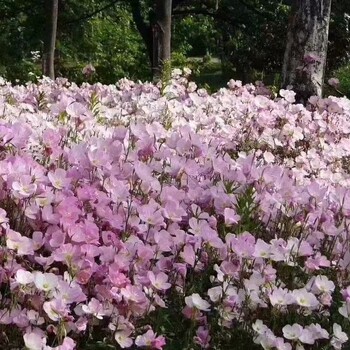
[
  {"x": 255, "y": 42},
  {"x": 195, "y": 36},
  {"x": 111, "y": 44},
  {"x": 248, "y": 36},
  {"x": 339, "y": 38},
  {"x": 343, "y": 75}
]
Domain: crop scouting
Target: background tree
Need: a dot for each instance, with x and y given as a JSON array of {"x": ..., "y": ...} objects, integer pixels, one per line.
[
  {"x": 306, "y": 51},
  {"x": 153, "y": 20},
  {"x": 51, "y": 12},
  {"x": 161, "y": 31},
  {"x": 241, "y": 39}
]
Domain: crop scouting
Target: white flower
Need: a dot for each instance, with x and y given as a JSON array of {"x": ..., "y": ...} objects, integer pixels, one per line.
[
  {"x": 339, "y": 337},
  {"x": 339, "y": 334},
  {"x": 176, "y": 72},
  {"x": 187, "y": 71},
  {"x": 292, "y": 332},
  {"x": 344, "y": 310},
  {"x": 288, "y": 95},
  {"x": 307, "y": 337},
  {"x": 323, "y": 284},
  {"x": 34, "y": 341},
  {"x": 45, "y": 281},
  {"x": 304, "y": 298},
  {"x": 281, "y": 297},
  {"x": 215, "y": 293},
  {"x": 259, "y": 327},
  {"x": 269, "y": 157},
  {"x": 195, "y": 300},
  {"x": 24, "y": 277},
  {"x": 317, "y": 331}
]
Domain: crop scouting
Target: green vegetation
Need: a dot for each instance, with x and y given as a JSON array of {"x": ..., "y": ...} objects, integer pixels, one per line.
[{"x": 219, "y": 40}]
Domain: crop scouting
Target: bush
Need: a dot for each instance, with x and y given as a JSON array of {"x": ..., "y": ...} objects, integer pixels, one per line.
[{"x": 173, "y": 219}]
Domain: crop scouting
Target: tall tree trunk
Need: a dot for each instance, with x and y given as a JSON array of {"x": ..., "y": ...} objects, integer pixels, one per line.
[
  {"x": 306, "y": 50},
  {"x": 157, "y": 33},
  {"x": 161, "y": 31},
  {"x": 51, "y": 12},
  {"x": 143, "y": 27}
]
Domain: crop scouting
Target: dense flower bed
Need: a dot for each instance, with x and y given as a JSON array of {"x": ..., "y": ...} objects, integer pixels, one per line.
[{"x": 138, "y": 217}]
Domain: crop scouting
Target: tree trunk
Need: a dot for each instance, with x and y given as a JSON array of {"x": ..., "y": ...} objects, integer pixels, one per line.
[
  {"x": 306, "y": 50},
  {"x": 143, "y": 27},
  {"x": 161, "y": 31},
  {"x": 51, "y": 12}
]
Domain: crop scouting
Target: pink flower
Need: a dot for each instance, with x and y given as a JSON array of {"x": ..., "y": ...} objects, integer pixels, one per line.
[
  {"x": 262, "y": 249},
  {"x": 68, "y": 344},
  {"x": 281, "y": 345},
  {"x": 88, "y": 70},
  {"x": 123, "y": 339},
  {"x": 202, "y": 337},
  {"x": 58, "y": 178},
  {"x": 231, "y": 216},
  {"x": 69, "y": 292},
  {"x": 317, "y": 262},
  {"x": 117, "y": 278},
  {"x": 133, "y": 293},
  {"x": 24, "y": 187},
  {"x": 151, "y": 214},
  {"x": 259, "y": 327},
  {"x": 188, "y": 255},
  {"x": 94, "y": 308},
  {"x": 159, "y": 281},
  {"x": 23, "y": 245},
  {"x": 334, "y": 82},
  {"x": 150, "y": 340},
  {"x": 56, "y": 309},
  {"x": 346, "y": 293},
  {"x": 174, "y": 211}
]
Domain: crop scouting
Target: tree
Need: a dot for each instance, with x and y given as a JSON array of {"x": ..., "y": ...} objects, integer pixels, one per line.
[
  {"x": 161, "y": 31},
  {"x": 155, "y": 30},
  {"x": 51, "y": 10},
  {"x": 306, "y": 50}
]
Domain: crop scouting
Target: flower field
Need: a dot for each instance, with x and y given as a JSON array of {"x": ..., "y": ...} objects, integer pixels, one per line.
[{"x": 135, "y": 216}]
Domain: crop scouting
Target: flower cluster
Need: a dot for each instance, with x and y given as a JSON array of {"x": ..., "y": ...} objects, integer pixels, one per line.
[{"x": 136, "y": 216}]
